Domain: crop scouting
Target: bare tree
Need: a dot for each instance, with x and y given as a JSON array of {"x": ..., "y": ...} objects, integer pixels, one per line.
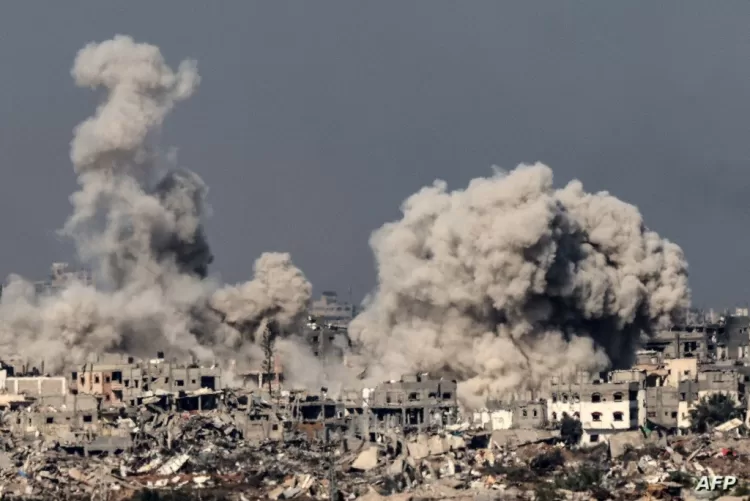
[{"x": 270, "y": 332}]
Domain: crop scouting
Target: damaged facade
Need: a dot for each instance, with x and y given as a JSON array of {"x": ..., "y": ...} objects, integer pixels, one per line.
[
  {"x": 673, "y": 373},
  {"x": 115, "y": 405}
]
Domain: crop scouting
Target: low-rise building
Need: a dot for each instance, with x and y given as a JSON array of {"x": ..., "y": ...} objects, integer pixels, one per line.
[
  {"x": 680, "y": 369},
  {"x": 123, "y": 380},
  {"x": 33, "y": 386},
  {"x": 602, "y": 406},
  {"x": 415, "y": 400},
  {"x": 497, "y": 418},
  {"x": 719, "y": 380},
  {"x": 662, "y": 406}
]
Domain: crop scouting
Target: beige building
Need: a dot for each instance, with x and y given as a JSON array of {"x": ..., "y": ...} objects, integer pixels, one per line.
[
  {"x": 34, "y": 386},
  {"x": 680, "y": 369},
  {"x": 125, "y": 381}
]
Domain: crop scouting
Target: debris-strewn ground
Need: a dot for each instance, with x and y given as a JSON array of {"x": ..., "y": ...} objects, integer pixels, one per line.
[{"x": 204, "y": 456}]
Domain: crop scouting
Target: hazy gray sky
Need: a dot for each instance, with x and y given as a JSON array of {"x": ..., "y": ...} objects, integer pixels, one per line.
[{"x": 314, "y": 120}]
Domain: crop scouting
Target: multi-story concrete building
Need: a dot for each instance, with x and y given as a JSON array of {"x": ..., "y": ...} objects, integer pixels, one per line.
[
  {"x": 326, "y": 341},
  {"x": 529, "y": 414},
  {"x": 662, "y": 406},
  {"x": 416, "y": 400},
  {"x": 120, "y": 380},
  {"x": 329, "y": 309},
  {"x": 719, "y": 380},
  {"x": 688, "y": 341},
  {"x": 680, "y": 369},
  {"x": 62, "y": 275},
  {"x": 688, "y": 398},
  {"x": 679, "y": 385},
  {"x": 735, "y": 340},
  {"x": 603, "y": 407}
]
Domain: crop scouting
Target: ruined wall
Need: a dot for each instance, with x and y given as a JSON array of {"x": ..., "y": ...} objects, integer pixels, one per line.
[
  {"x": 529, "y": 415},
  {"x": 37, "y": 386}
]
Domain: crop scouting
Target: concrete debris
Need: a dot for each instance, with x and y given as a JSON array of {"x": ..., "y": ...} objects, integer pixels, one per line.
[
  {"x": 729, "y": 425},
  {"x": 245, "y": 445},
  {"x": 207, "y": 452},
  {"x": 619, "y": 443},
  {"x": 367, "y": 459}
]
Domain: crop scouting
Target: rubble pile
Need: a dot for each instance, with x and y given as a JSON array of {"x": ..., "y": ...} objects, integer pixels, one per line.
[{"x": 191, "y": 455}]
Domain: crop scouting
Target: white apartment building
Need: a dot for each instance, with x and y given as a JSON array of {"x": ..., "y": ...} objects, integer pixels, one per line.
[{"x": 603, "y": 407}]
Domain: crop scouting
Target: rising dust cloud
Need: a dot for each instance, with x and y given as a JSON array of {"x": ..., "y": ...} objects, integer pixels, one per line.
[
  {"x": 501, "y": 285},
  {"x": 510, "y": 281},
  {"x": 138, "y": 225}
]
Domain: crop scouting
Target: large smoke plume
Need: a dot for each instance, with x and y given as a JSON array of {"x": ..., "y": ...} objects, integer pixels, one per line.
[
  {"x": 503, "y": 284},
  {"x": 138, "y": 224},
  {"x": 511, "y": 281}
]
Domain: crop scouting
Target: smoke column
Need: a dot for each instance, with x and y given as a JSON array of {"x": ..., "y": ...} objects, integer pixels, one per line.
[
  {"x": 510, "y": 281},
  {"x": 139, "y": 225}
]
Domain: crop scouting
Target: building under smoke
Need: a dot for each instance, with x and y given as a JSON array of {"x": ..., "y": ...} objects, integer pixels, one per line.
[
  {"x": 61, "y": 276},
  {"x": 510, "y": 281},
  {"x": 137, "y": 224},
  {"x": 329, "y": 309},
  {"x": 501, "y": 284}
]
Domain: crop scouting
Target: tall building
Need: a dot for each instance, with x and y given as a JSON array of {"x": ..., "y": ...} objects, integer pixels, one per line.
[
  {"x": 62, "y": 275},
  {"x": 330, "y": 310}
]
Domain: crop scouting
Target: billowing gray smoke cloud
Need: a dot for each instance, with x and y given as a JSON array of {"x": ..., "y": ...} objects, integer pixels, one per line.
[
  {"x": 117, "y": 221},
  {"x": 138, "y": 225},
  {"x": 279, "y": 295},
  {"x": 511, "y": 281},
  {"x": 279, "y": 290},
  {"x": 182, "y": 194}
]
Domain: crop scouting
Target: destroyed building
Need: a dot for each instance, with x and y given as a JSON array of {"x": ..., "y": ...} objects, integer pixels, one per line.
[
  {"x": 719, "y": 380},
  {"x": 413, "y": 402},
  {"x": 726, "y": 340},
  {"x": 529, "y": 414},
  {"x": 735, "y": 339},
  {"x": 327, "y": 341},
  {"x": 663, "y": 404},
  {"x": 330, "y": 310},
  {"x": 698, "y": 341},
  {"x": 125, "y": 380},
  {"x": 61, "y": 275},
  {"x": 261, "y": 378}
]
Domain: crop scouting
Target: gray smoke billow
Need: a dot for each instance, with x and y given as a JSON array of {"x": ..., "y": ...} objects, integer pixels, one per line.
[
  {"x": 511, "y": 281},
  {"x": 502, "y": 284},
  {"x": 138, "y": 224}
]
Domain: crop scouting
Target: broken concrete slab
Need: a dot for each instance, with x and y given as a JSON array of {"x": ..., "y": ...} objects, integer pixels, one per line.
[
  {"x": 418, "y": 449},
  {"x": 367, "y": 459},
  {"x": 730, "y": 425},
  {"x": 436, "y": 445},
  {"x": 396, "y": 467},
  {"x": 516, "y": 438},
  {"x": 620, "y": 442},
  {"x": 454, "y": 443}
]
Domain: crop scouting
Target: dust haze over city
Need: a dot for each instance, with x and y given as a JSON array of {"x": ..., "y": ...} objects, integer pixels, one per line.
[
  {"x": 362, "y": 227},
  {"x": 537, "y": 275}
]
